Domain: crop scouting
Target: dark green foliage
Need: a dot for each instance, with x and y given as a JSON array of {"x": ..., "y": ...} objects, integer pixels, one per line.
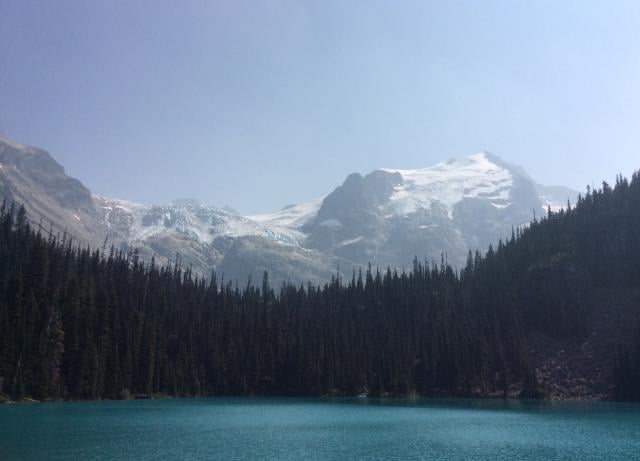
[
  {"x": 627, "y": 371},
  {"x": 83, "y": 323}
]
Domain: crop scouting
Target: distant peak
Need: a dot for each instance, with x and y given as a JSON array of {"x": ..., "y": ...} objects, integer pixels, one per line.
[
  {"x": 482, "y": 156},
  {"x": 491, "y": 157},
  {"x": 187, "y": 202},
  {"x": 481, "y": 161}
]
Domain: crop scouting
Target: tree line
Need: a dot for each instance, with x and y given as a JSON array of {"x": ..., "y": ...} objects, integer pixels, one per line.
[{"x": 86, "y": 323}]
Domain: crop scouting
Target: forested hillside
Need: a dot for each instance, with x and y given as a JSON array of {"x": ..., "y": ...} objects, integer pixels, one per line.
[{"x": 97, "y": 323}]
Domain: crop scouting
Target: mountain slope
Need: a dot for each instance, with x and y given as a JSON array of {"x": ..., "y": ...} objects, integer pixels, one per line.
[{"x": 31, "y": 176}]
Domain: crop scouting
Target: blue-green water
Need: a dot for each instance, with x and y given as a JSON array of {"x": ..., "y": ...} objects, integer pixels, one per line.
[{"x": 307, "y": 429}]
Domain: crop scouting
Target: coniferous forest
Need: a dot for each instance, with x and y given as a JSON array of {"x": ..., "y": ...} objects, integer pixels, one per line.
[{"x": 83, "y": 323}]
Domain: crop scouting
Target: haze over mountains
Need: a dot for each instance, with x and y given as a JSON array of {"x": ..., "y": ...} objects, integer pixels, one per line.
[{"x": 385, "y": 218}]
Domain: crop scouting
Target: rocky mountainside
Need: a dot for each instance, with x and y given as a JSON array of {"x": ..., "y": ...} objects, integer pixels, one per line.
[
  {"x": 385, "y": 218},
  {"x": 31, "y": 176}
]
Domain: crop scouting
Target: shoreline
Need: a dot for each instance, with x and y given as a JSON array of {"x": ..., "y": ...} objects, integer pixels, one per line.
[{"x": 510, "y": 398}]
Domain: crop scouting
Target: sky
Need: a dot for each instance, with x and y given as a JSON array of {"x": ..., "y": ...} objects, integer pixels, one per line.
[{"x": 257, "y": 104}]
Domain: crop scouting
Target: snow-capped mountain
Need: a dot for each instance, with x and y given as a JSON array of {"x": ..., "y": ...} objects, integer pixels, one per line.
[
  {"x": 385, "y": 218},
  {"x": 391, "y": 215},
  {"x": 482, "y": 175}
]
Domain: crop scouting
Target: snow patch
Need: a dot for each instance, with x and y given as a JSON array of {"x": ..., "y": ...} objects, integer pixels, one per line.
[
  {"x": 295, "y": 216},
  {"x": 351, "y": 241},
  {"x": 450, "y": 182},
  {"x": 549, "y": 203},
  {"x": 124, "y": 205},
  {"x": 332, "y": 223}
]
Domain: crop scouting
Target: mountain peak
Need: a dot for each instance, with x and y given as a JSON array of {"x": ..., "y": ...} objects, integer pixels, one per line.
[
  {"x": 6, "y": 140},
  {"x": 480, "y": 162},
  {"x": 23, "y": 148},
  {"x": 482, "y": 156}
]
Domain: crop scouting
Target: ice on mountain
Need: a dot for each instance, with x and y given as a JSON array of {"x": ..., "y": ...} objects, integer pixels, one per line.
[
  {"x": 351, "y": 241},
  {"x": 475, "y": 176},
  {"x": 292, "y": 216}
]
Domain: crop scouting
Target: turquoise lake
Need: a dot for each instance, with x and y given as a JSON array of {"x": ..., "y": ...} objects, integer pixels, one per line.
[{"x": 327, "y": 429}]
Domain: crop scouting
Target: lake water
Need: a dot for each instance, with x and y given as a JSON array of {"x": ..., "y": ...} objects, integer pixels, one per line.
[{"x": 309, "y": 429}]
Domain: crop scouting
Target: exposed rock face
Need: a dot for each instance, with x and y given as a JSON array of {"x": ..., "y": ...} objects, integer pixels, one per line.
[
  {"x": 31, "y": 176},
  {"x": 387, "y": 217}
]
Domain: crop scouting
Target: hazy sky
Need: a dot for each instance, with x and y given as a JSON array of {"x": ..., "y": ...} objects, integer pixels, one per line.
[{"x": 261, "y": 103}]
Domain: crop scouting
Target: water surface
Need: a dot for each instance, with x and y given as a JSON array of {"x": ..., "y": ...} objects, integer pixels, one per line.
[{"x": 310, "y": 429}]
